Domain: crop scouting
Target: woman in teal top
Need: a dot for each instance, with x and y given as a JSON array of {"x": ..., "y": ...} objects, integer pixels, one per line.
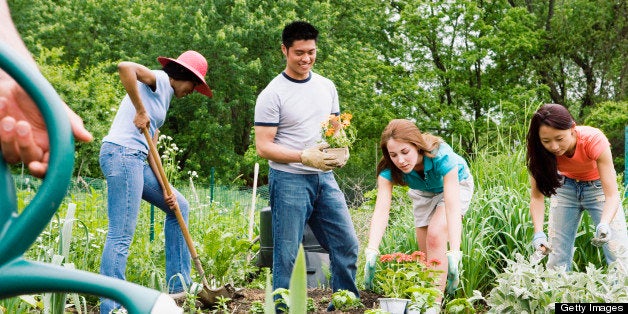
[{"x": 441, "y": 187}]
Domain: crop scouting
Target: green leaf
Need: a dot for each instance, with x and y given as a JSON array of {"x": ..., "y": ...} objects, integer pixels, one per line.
[{"x": 298, "y": 285}]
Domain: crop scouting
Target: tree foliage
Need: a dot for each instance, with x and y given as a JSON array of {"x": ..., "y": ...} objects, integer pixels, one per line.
[{"x": 459, "y": 68}]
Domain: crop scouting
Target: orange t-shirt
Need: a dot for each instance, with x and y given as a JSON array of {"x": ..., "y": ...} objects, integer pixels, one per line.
[{"x": 590, "y": 143}]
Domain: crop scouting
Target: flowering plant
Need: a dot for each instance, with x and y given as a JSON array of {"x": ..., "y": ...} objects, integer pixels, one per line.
[
  {"x": 337, "y": 130},
  {"x": 402, "y": 275}
]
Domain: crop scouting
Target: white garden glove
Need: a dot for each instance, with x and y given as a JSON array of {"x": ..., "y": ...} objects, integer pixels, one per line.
[
  {"x": 454, "y": 262},
  {"x": 370, "y": 256},
  {"x": 602, "y": 234},
  {"x": 539, "y": 240},
  {"x": 315, "y": 157}
]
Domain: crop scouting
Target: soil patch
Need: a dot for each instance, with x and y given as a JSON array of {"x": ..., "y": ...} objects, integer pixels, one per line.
[{"x": 241, "y": 302}]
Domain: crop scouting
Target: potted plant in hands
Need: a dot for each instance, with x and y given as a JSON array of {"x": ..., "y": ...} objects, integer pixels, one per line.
[
  {"x": 403, "y": 279},
  {"x": 339, "y": 134}
]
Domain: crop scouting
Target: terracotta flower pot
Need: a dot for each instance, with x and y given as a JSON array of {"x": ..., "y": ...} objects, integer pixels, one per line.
[
  {"x": 342, "y": 153},
  {"x": 393, "y": 305}
]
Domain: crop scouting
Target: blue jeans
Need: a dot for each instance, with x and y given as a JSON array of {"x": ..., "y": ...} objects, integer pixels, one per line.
[
  {"x": 565, "y": 214},
  {"x": 129, "y": 180},
  {"x": 316, "y": 199}
]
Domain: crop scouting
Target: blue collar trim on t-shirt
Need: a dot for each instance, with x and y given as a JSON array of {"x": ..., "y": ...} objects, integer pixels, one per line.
[{"x": 297, "y": 81}]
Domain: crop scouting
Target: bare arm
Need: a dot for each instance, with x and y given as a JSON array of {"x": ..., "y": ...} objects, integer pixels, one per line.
[
  {"x": 130, "y": 73},
  {"x": 451, "y": 188},
  {"x": 379, "y": 221},
  {"x": 609, "y": 185},
  {"x": 268, "y": 149},
  {"x": 537, "y": 206}
]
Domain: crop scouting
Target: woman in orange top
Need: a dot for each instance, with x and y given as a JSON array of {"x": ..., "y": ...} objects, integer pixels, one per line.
[{"x": 573, "y": 166}]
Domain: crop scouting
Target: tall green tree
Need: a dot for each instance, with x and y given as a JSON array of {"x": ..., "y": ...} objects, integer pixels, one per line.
[{"x": 459, "y": 68}]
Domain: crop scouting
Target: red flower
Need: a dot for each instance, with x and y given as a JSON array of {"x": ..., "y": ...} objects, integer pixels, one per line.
[
  {"x": 418, "y": 256},
  {"x": 386, "y": 258},
  {"x": 433, "y": 262}
]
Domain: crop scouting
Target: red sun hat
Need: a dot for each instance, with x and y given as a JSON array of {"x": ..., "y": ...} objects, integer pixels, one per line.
[{"x": 196, "y": 63}]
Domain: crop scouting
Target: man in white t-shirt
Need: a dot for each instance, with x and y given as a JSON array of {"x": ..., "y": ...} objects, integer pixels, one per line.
[{"x": 288, "y": 116}]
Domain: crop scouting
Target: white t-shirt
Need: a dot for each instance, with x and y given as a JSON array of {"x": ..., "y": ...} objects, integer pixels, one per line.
[
  {"x": 297, "y": 108},
  {"x": 123, "y": 131}
]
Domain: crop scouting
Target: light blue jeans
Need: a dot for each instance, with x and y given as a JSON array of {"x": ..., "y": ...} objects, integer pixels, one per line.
[
  {"x": 129, "y": 180},
  {"x": 316, "y": 199},
  {"x": 566, "y": 208}
]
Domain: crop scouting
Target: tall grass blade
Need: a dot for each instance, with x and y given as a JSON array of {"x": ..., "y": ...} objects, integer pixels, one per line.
[
  {"x": 269, "y": 304},
  {"x": 298, "y": 285}
]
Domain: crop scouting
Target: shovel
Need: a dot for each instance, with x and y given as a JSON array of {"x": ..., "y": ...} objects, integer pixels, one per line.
[{"x": 207, "y": 296}]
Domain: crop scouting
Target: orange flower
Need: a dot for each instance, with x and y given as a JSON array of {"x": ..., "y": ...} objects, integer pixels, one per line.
[
  {"x": 386, "y": 258},
  {"x": 336, "y": 130},
  {"x": 433, "y": 262}
]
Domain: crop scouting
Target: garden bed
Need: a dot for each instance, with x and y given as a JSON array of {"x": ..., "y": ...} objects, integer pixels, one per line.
[{"x": 241, "y": 303}]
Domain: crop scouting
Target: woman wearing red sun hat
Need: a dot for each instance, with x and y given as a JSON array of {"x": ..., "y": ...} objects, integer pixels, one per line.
[{"x": 130, "y": 179}]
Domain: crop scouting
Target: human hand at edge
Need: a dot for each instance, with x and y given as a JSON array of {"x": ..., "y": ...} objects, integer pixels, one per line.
[
  {"x": 23, "y": 133},
  {"x": 370, "y": 257},
  {"x": 454, "y": 264},
  {"x": 602, "y": 234},
  {"x": 315, "y": 157}
]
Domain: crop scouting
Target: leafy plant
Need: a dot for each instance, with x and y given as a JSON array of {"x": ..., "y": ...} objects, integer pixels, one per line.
[
  {"x": 338, "y": 131},
  {"x": 221, "y": 306},
  {"x": 257, "y": 307},
  {"x": 422, "y": 298},
  {"x": 345, "y": 300},
  {"x": 459, "y": 305},
  {"x": 294, "y": 300},
  {"x": 528, "y": 287},
  {"x": 400, "y": 273}
]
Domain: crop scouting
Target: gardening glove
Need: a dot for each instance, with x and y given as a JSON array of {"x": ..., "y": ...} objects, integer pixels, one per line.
[
  {"x": 315, "y": 157},
  {"x": 602, "y": 234},
  {"x": 540, "y": 240},
  {"x": 454, "y": 262},
  {"x": 370, "y": 256}
]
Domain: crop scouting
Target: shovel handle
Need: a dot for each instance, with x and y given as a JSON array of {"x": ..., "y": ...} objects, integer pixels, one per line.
[{"x": 165, "y": 185}]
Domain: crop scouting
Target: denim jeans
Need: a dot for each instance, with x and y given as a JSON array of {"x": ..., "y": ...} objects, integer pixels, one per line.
[
  {"x": 566, "y": 208},
  {"x": 129, "y": 180},
  {"x": 316, "y": 199}
]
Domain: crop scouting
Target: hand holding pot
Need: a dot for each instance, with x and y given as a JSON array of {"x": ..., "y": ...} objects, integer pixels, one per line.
[{"x": 315, "y": 157}]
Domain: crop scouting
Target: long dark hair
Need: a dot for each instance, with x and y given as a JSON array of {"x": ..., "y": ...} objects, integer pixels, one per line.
[
  {"x": 404, "y": 131},
  {"x": 541, "y": 163}
]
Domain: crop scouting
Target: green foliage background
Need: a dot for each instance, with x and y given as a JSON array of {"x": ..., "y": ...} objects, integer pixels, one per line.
[{"x": 457, "y": 67}]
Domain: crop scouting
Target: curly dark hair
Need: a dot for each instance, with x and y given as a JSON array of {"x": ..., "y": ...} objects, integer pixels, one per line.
[{"x": 541, "y": 163}]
